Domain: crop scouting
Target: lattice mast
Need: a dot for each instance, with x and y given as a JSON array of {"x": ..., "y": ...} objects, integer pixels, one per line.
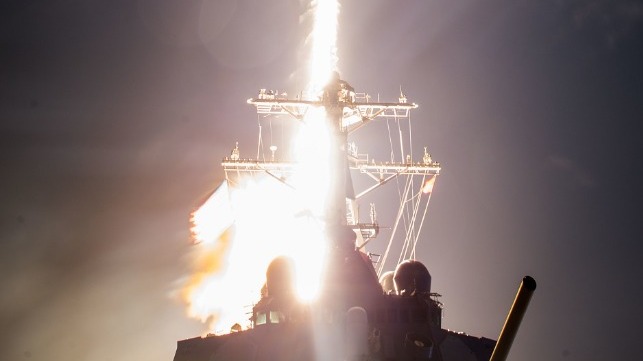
[{"x": 348, "y": 111}]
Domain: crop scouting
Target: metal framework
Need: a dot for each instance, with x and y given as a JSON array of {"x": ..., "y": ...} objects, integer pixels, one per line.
[{"x": 357, "y": 111}]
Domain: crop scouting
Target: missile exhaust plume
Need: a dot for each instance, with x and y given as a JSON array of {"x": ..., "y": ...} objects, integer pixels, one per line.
[{"x": 244, "y": 225}]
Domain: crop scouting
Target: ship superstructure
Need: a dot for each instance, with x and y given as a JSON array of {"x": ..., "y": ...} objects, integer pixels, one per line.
[{"x": 362, "y": 313}]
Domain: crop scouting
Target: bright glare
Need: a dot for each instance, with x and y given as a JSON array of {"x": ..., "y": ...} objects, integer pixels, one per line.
[
  {"x": 242, "y": 228},
  {"x": 269, "y": 222}
]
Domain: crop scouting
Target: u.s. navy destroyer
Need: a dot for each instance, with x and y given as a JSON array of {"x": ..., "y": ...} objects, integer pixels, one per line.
[{"x": 362, "y": 312}]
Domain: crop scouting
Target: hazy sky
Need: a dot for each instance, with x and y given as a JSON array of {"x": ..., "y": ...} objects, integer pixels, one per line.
[{"x": 115, "y": 116}]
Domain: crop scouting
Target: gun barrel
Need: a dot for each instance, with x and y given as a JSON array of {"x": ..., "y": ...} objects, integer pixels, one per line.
[{"x": 517, "y": 311}]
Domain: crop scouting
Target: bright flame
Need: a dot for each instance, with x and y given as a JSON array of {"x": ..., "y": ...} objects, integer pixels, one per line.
[
  {"x": 312, "y": 153},
  {"x": 213, "y": 217},
  {"x": 270, "y": 219},
  {"x": 268, "y": 223}
]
